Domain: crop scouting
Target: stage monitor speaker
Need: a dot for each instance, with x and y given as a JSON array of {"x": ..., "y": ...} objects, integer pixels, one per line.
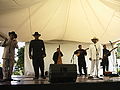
[{"x": 62, "y": 73}]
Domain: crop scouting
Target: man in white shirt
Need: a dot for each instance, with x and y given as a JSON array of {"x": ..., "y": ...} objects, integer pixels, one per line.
[
  {"x": 9, "y": 54},
  {"x": 96, "y": 53}
]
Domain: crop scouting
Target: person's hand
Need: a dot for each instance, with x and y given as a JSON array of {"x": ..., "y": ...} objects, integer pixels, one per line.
[
  {"x": 90, "y": 59},
  {"x": 30, "y": 57},
  {"x": 43, "y": 55},
  {"x": 6, "y": 39}
]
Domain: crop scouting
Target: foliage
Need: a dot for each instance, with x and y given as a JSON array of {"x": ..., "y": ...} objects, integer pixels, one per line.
[
  {"x": 19, "y": 65},
  {"x": 118, "y": 51}
]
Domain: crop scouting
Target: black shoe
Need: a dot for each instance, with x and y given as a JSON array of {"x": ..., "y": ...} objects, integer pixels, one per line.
[
  {"x": 90, "y": 77},
  {"x": 97, "y": 77},
  {"x": 85, "y": 75},
  {"x": 81, "y": 74},
  {"x": 43, "y": 77}
]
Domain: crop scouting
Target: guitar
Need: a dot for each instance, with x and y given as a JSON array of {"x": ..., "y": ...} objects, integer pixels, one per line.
[
  {"x": 109, "y": 52},
  {"x": 79, "y": 52},
  {"x": 59, "y": 61},
  {"x": 3, "y": 36}
]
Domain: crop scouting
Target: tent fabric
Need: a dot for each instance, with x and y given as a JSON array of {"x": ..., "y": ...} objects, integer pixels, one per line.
[{"x": 70, "y": 20}]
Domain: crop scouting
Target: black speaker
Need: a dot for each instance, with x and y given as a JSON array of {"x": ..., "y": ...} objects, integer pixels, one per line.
[{"x": 62, "y": 73}]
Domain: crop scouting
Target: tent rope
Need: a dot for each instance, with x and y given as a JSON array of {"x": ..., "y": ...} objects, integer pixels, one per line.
[
  {"x": 30, "y": 23},
  {"x": 93, "y": 33},
  {"x": 16, "y": 3},
  {"x": 67, "y": 18},
  {"x": 108, "y": 24},
  {"x": 51, "y": 17},
  {"x": 95, "y": 14}
]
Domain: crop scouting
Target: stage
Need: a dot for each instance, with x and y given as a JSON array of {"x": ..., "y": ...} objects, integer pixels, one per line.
[{"x": 22, "y": 82}]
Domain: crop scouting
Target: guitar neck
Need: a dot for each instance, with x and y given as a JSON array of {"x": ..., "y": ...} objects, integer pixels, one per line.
[
  {"x": 113, "y": 49},
  {"x": 2, "y": 36}
]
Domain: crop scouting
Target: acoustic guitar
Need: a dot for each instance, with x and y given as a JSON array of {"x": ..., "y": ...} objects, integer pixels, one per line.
[
  {"x": 109, "y": 52},
  {"x": 79, "y": 52}
]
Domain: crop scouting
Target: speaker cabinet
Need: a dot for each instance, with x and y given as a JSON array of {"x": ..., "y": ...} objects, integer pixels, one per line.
[{"x": 62, "y": 73}]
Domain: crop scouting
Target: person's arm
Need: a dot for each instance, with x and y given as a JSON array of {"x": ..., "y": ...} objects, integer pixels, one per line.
[
  {"x": 85, "y": 53},
  {"x": 30, "y": 50},
  {"x": 5, "y": 43},
  {"x": 44, "y": 52},
  {"x": 90, "y": 53},
  {"x": 109, "y": 53},
  {"x": 100, "y": 52},
  {"x": 61, "y": 54},
  {"x": 54, "y": 58},
  {"x": 76, "y": 52},
  {"x": 15, "y": 44}
]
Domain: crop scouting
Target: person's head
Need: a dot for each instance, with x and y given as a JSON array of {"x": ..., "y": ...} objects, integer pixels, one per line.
[
  {"x": 36, "y": 35},
  {"x": 80, "y": 46},
  {"x": 104, "y": 46},
  {"x": 94, "y": 40},
  {"x": 58, "y": 49},
  {"x": 12, "y": 35}
]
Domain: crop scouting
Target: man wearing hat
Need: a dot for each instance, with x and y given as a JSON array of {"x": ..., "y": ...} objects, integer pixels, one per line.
[
  {"x": 37, "y": 54},
  {"x": 96, "y": 53},
  {"x": 8, "y": 56}
]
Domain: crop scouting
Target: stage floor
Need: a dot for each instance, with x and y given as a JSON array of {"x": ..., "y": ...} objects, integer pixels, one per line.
[{"x": 27, "y": 80}]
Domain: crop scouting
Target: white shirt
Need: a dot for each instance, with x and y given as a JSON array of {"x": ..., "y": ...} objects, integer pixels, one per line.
[
  {"x": 9, "y": 48},
  {"x": 93, "y": 52}
]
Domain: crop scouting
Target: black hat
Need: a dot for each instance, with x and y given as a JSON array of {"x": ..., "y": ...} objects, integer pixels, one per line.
[{"x": 36, "y": 33}]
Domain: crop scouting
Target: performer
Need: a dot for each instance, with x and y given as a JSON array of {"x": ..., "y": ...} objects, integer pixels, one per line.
[
  {"x": 8, "y": 56},
  {"x": 56, "y": 55},
  {"x": 37, "y": 54},
  {"x": 105, "y": 61},
  {"x": 96, "y": 53},
  {"x": 81, "y": 53}
]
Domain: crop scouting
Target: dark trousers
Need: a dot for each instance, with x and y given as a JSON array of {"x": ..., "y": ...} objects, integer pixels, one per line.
[
  {"x": 82, "y": 65},
  {"x": 1, "y": 73},
  {"x": 105, "y": 65},
  {"x": 38, "y": 63},
  {"x": 105, "y": 68},
  {"x": 55, "y": 62}
]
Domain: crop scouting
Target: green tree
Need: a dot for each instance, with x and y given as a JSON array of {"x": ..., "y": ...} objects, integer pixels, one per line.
[{"x": 19, "y": 64}]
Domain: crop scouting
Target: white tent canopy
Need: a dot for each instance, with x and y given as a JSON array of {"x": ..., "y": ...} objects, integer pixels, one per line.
[{"x": 71, "y": 20}]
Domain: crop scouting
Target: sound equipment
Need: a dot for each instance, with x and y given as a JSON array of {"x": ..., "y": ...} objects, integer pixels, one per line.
[
  {"x": 110, "y": 74},
  {"x": 107, "y": 73},
  {"x": 62, "y": 73}
]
